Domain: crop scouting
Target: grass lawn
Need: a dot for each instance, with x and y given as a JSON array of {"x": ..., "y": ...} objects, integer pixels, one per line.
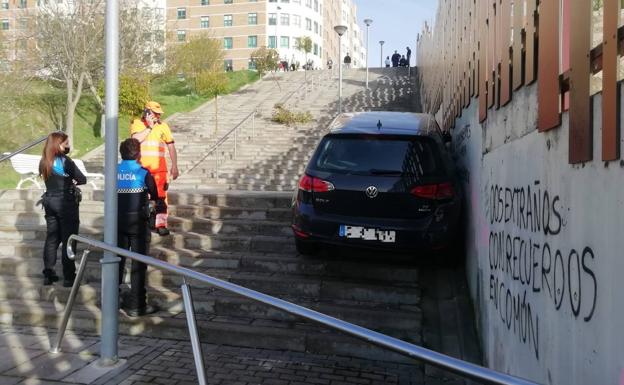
[{"x": 44, "y": 107}]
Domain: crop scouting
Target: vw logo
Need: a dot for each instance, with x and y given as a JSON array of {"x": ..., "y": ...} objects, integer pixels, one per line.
[{"x": 371, "y": 192}]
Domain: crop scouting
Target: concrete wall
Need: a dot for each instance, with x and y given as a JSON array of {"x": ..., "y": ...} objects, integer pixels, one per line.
[{"x": 545, "y": 247}]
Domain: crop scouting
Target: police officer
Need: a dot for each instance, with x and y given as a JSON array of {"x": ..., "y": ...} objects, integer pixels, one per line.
[
  {"x": 135, "y": 189},
  {"x": 60, "y": 202}
]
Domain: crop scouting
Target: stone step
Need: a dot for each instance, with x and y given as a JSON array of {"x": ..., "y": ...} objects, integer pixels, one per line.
[
  {"x": 13, "y": 245},
  {"x": 298, "y": 337}
]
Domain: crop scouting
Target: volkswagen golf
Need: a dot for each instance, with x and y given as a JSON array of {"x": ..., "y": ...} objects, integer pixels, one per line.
[{"x": 378, "y": 180}]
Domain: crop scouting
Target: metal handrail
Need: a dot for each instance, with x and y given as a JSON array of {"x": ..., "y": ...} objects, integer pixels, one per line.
[
  {"x": 23, "y": 148},
  {"x": 443, "y": 361},
  {"x": 226, "y": 137}
]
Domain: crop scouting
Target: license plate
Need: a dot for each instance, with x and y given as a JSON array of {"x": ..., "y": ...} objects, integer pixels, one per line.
[{"x": 368, "y": 234}]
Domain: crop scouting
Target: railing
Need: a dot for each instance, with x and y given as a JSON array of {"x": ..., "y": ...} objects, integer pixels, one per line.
[
  {"x": 232, "y": 133},
  {"x": 23, "y": 148},
  {"x": 455, "y": 365}
]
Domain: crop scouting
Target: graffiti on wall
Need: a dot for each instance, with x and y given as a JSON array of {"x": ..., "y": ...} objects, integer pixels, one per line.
[{"x": 526, "y": 261}]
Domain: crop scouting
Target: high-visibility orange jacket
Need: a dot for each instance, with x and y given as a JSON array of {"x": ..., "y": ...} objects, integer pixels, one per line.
[{"x": 153, "y": 147}]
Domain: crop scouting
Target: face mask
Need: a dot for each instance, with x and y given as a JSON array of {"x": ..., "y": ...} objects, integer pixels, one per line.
[{"x": 66, "y": 151}]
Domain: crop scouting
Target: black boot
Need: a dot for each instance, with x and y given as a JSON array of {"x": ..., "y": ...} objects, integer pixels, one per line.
[{"x": 49, "y": 277}]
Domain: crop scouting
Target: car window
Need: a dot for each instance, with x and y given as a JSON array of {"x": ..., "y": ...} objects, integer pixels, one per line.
[{"x": 417, "y": 157}]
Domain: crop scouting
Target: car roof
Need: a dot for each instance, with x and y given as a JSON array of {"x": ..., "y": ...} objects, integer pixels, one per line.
[{"x": 392, "y": 123}]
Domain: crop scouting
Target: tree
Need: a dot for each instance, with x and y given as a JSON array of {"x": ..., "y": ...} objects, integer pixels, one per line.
[
  {"x": 70, "y": 46},
  {"x": 199, "y": 55},
  {"x": 212, "y": 83},
  {"x": 266, "y": 59},
  {"x": 304, "y": 44},
  {"x": 69, "y": 43}
]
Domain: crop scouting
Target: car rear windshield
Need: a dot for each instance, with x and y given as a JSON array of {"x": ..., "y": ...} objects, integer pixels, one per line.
[{"x": 366, "y": 155}]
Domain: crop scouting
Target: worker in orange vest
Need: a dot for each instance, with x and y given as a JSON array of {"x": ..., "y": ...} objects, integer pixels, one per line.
[{"x": 155, "y": 136}]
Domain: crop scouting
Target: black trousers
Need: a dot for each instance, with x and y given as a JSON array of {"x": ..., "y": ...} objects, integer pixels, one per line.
[
  {"x": 135, "y": 236},
  {"x": 62, "y": 220}
]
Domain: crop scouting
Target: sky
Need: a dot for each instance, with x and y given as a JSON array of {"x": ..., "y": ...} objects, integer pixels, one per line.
[{"x": 397, "y": 22}]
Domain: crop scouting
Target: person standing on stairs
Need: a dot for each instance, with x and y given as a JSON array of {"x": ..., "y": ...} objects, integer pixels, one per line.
[
  {"x": 154, "y": 137},
  {"x": 61, "y": 204},
  {"x": 136, "y": 188}
]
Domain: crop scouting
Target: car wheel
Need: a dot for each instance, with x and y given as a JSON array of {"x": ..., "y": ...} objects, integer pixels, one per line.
[{"x": 306, "y": 248}]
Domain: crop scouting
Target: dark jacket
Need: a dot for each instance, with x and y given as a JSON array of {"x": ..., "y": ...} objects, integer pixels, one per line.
[
  {"x": 63, "y": 175},
  {"x": 135, "y": 187}
]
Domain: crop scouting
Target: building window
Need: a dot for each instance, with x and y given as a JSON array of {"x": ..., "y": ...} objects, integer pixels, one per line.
[
  {"x": 316, "y": 5},
  {"x": 285, "y": 19},
  {"x": 252, "y": 41},
  {"x": 205, "y": 2},
  {"x": 285, "y": 1},
  {"x": 228, "y": 43},
  {"x": 22, "y": 4},
  {"x": 272, "y": 42},
  {"x": 316, "y": 49},
  {"x": 5, "y": 4},
  {"x": 272, "y": 18},
  {"x": 308, "y": 3},
  {"x": 296, "y": 2},
  {"x": 308, "y": 24},
  {"x": 316, "y": 29},
  {"x": 272, "y": 1},
  {"x": 285, "y": 42},
  {"x": 227, "y": 20},
  {"x": 251, "y": 64},
  {"x": 252, "y": 18},
  {"x": 5, "y": 24},
  {"x": 181, "y": 13},
  {"x": 22, "y": 23},
  {"x": 227, "y": 64},
  {"x": 227, "y": 1},
  {"x": 296, "y": 21},
  {"x": 181, "y": 35},
  {"x": 205, "y": 22}
]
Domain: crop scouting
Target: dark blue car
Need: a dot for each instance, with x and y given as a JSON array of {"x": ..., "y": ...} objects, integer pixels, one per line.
[{"x": 379, "y": 180}]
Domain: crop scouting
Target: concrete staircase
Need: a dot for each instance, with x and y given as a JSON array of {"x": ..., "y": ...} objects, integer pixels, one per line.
[
  {"x": 225, "y": 227},
  {"x": 275, "y": 158},
  {"x": 242, "y": 237}
]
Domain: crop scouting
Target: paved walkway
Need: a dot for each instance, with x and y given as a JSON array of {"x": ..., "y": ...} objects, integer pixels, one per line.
[{"x": 24, "y": 359}]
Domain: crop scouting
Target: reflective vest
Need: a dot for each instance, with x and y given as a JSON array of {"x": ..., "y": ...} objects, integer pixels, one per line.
[{"x": 153, "y": 147}]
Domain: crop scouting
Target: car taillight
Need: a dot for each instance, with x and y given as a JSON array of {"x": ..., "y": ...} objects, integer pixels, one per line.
[
  {"x": 311, "y": 184},
  {"x": 438, "y": 191}
]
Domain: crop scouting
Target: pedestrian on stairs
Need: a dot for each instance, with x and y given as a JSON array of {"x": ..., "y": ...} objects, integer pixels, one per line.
[
  {"x": 61, "y": 204},
  {"x": 154, "y": 137},
  {"x": 136, "y": 189}
]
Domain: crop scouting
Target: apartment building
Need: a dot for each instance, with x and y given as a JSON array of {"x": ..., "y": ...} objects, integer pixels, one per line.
[
  {"x": 16, "y": 23},
  {"x": 18, "y": 27},
  {"x": 245, "y": 25}
]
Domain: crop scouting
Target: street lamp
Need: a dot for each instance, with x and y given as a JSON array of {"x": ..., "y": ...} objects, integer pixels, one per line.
[
  {"x": 381, "y": 43},
  {"x": 340, "y": 30},
  {"x": 368, "y": 22},
  {"x": 277, "y": 19}
]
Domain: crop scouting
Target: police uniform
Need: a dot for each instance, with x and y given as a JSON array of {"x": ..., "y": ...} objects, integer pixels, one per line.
[
  {"x": 153, "y": 150},
  {"x": 61, "y": 215},
  {"x": 134, "y": 183}
]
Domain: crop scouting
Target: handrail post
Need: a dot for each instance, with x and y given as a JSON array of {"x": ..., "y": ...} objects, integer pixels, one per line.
[
  {"x": 56, "y": 347},
  {"x": 192, "y": 328},
  {"x": 217, "y": 163},
  {"x": 253, "y": 124},
  {"x": 235, "y": 141}
]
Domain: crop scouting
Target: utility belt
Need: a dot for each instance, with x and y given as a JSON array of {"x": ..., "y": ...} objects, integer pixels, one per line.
[{"x": 73, "y": 193}]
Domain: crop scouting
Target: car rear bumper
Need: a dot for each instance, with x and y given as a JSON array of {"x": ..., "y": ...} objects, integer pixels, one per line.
[{"x": 429, "y": 233}]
